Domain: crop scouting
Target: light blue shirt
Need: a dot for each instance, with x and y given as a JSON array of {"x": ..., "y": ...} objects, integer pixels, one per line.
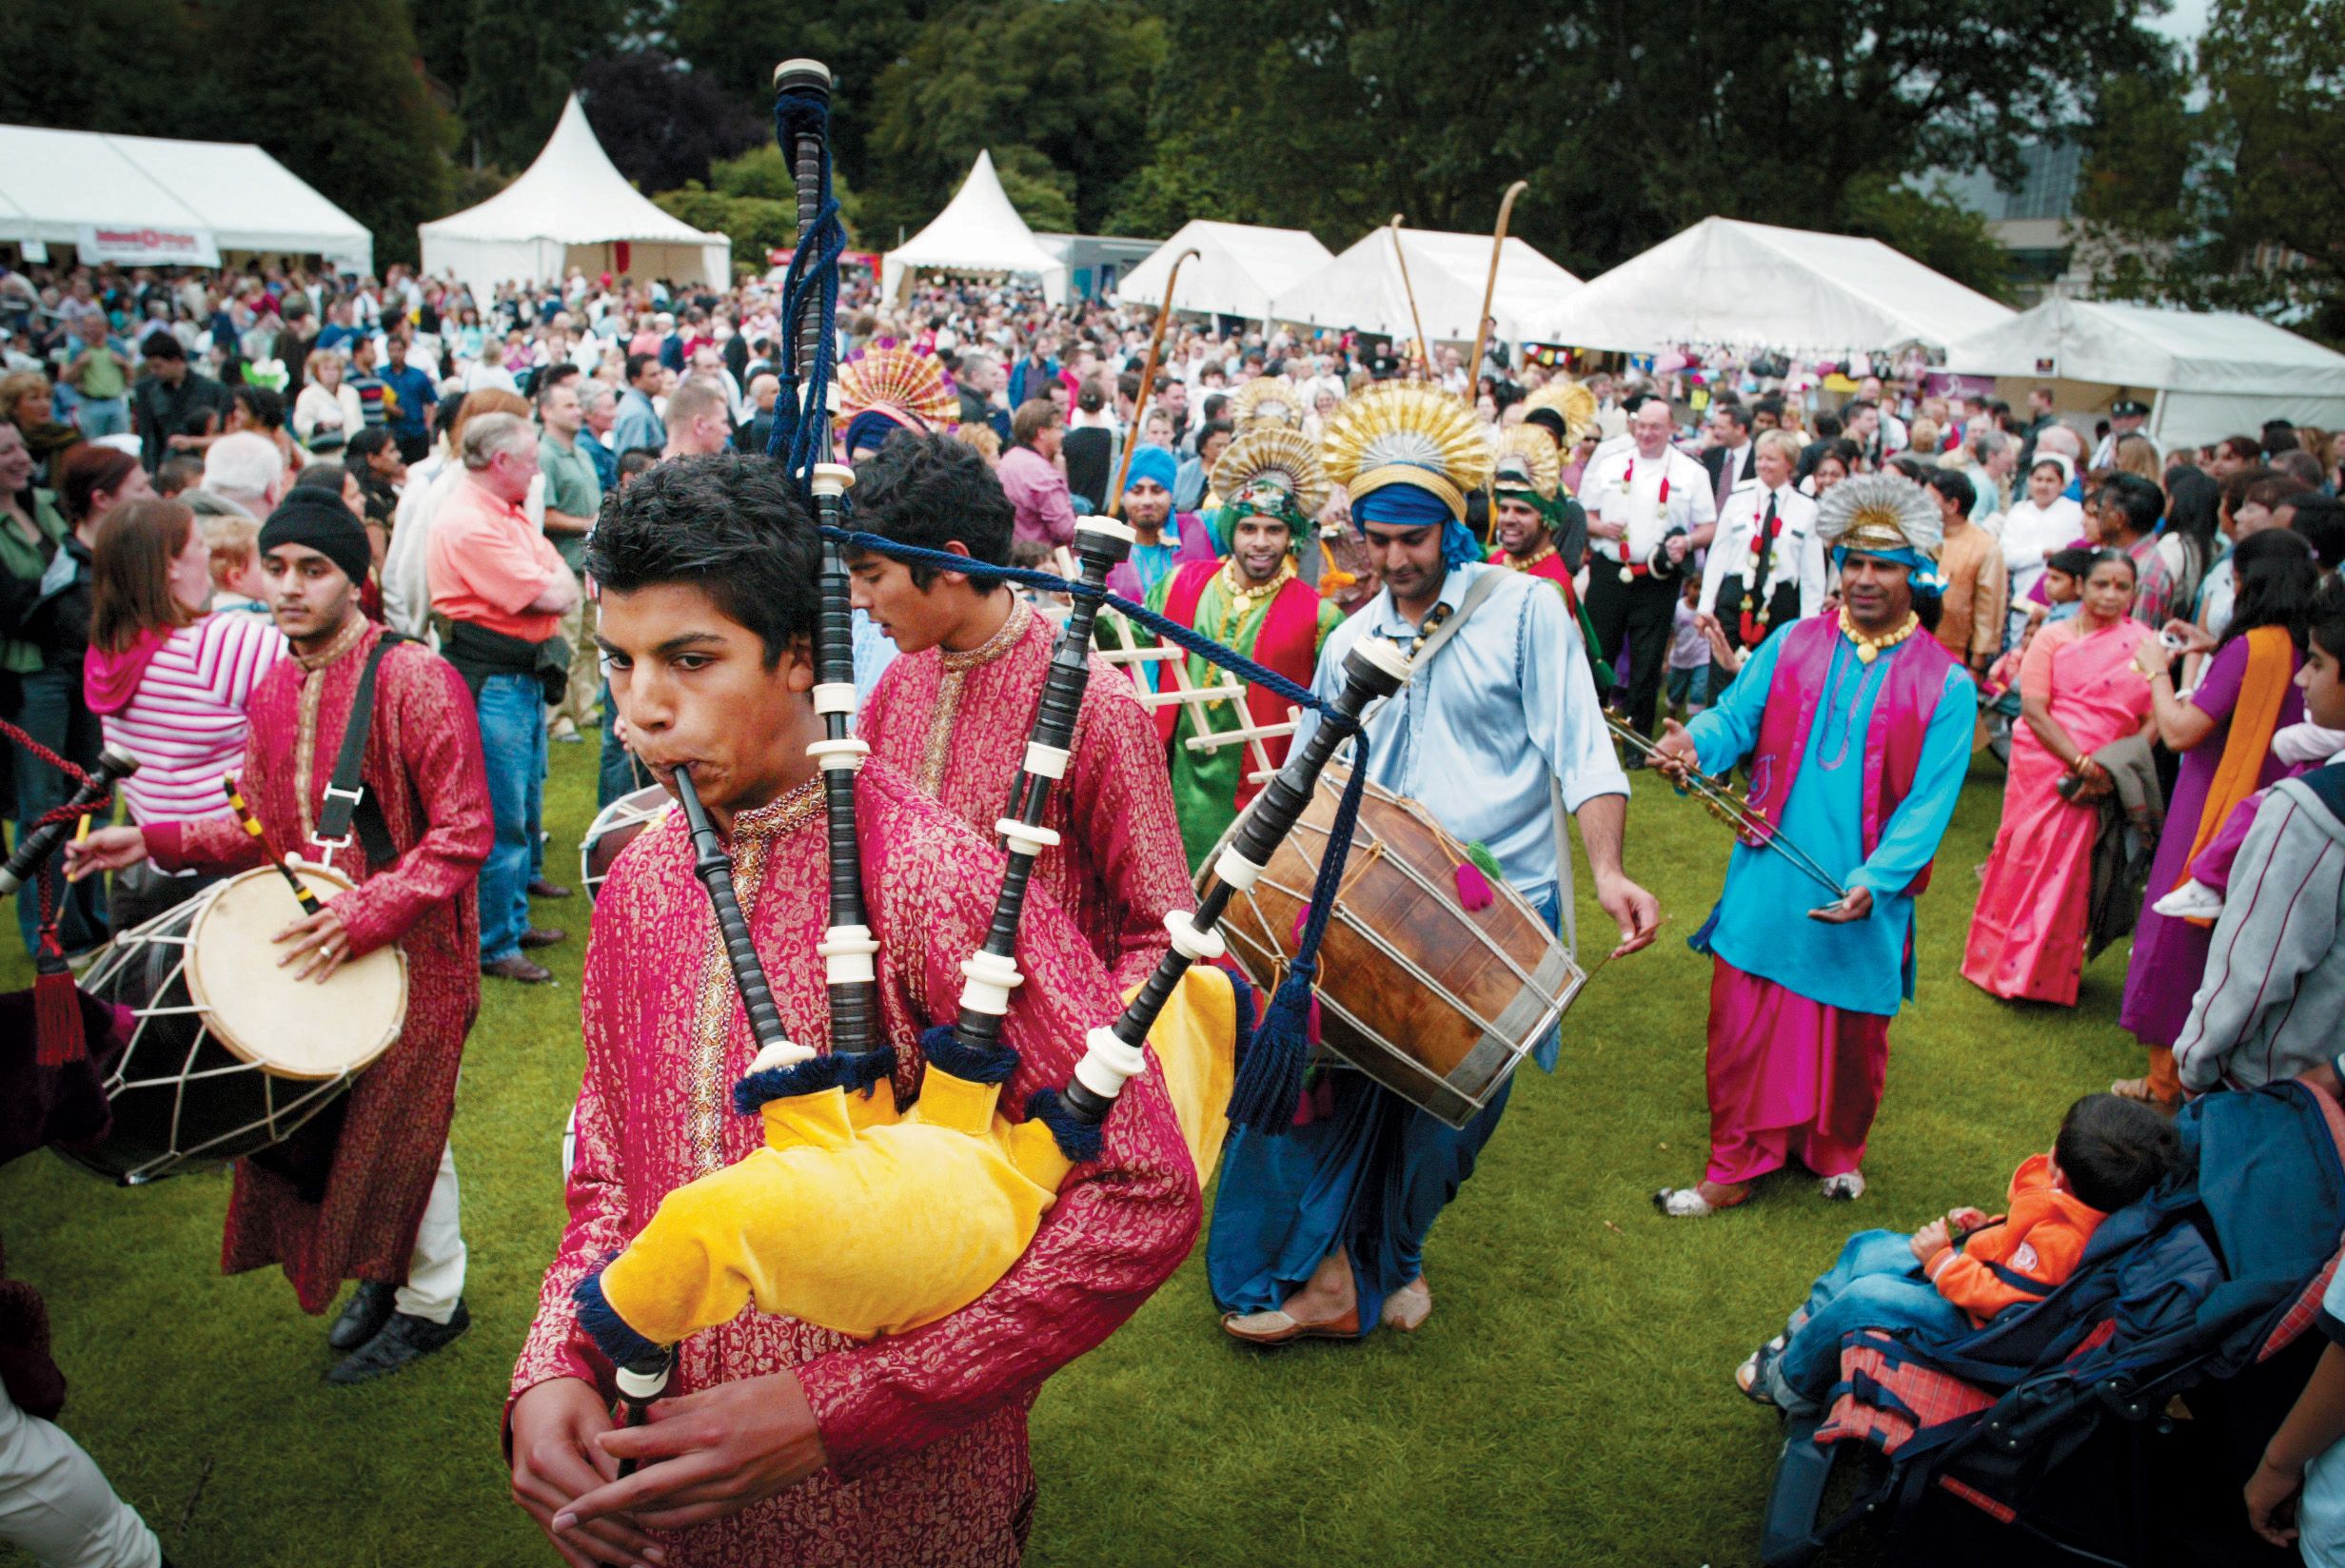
[
  {"x": 1474, "y": 736},
  {"x": 639, "y": 424},
  {"x": 1761, "y": 925},
  {"x": 873, "y": 652}
]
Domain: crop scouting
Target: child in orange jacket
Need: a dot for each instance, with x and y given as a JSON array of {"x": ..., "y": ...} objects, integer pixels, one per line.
[{"x": 1959, "y": 1271}]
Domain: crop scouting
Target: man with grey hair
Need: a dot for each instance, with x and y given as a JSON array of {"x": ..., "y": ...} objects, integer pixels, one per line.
[
  {"x": 243, "y": 474},
  {"x": 1994, "y": 458},
  {"x": 598, "y": 406},
  {"x": 503, "y": 588}
]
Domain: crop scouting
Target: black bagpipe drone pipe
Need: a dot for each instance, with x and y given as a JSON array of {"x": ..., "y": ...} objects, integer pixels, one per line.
[{"x": 856, "y": 1214}]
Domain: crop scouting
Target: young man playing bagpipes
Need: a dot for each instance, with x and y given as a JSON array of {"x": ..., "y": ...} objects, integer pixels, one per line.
[
  {"x": 378, "y": 1202},
  {"x": 954, "y": 711},
  {"x": 784, "y": 1443}
]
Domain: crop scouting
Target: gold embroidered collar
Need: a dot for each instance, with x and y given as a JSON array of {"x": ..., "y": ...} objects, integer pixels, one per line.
[{"x": 994, "y": 647}]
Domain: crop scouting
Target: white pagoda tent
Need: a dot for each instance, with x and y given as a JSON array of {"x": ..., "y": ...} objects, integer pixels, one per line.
[
  {"x": 1725, "y": 283},
  {"x": 1238, "y": 270},
  {"x": 1363, "y": 289},
  {"x": 2204, "y": 374},
  {"x": 978, "y": 233},
  {"x": 571, "y": 208}
]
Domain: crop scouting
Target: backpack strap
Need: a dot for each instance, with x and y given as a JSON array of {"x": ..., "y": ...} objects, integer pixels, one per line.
[{"x": 348, "y": 807}]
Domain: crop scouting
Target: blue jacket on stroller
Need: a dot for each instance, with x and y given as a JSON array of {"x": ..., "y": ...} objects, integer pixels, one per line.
[{"x": 2218, "y": 1269}]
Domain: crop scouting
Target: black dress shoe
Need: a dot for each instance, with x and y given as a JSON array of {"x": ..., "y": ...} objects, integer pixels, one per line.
[
  {"x": 543, "y": 888},
  {"x": 544, "y": 937},
  {"x": 518, "y": 968},
  {"x": 362, "y": 1319},
  {"x": 401, "y": 1341}
]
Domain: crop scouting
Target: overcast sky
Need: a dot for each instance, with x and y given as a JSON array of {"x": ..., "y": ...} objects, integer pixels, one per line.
[{"x": 2184, "y": 19}]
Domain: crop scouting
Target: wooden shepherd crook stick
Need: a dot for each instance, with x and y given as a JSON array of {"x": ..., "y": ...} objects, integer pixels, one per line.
[
  {"x": 1424, "y": 350},
  {"x": 1489, "y": 289},
  {"x": 1147, "y": 384}
]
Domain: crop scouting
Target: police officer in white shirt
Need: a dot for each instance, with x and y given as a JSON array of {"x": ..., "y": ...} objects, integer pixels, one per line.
[
  {"x": 2125, "y": 417},
  {"x": 1651, "y": 509},
  {"x": 1767, "y": 568}
]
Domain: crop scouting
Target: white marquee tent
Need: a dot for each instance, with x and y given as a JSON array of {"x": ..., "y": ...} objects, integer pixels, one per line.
[
  {"x": 978, "y": 231},
  {"x": 1753, "y": 285},
  {"x": 1361, "y": 289},
  {"x": 571, "y": 208},
  {"x": 1238, "y": 269},
  {"x": 2205, "y": 375},
  {"x": 143, "y": 200}
]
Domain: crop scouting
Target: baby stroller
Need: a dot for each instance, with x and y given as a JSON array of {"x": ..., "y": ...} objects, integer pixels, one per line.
[{"x": 2059, "y": 1421}]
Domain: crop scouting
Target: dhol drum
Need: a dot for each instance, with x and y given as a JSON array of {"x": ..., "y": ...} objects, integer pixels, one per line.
[
  {"x": 228, "y": 1052},
  {"x": 1436, "y": 1002},
  {"x": 614, "y": 828}
]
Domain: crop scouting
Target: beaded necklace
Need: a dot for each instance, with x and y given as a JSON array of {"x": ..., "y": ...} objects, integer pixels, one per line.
[
  {"x": 1242, "y": 598},
  {"x": 1871, "y": 648}
]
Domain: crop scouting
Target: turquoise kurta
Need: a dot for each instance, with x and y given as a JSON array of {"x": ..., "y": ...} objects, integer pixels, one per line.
[{"x": 1760, "y": 924}]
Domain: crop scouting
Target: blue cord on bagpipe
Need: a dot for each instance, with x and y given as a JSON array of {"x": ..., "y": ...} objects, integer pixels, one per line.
[{"x": 814, "y": 266}]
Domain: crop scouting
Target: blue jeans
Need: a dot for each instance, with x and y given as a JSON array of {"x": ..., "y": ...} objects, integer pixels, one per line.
[
  {"x": 102, "y": 417},
  {"x": 513, "y": 745},
  {"x": 54, "y": 714},
  {"x": 1875, "y": 1284},
  {"x": 619, "y": 772}
]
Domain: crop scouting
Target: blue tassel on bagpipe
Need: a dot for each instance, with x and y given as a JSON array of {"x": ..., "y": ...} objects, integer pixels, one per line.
[
  {"x": 857, "y": 1073},
  {"x": 814, "y": 266},
  {"x": 603, "y": 1323},
  {"x": 942, "y": 1046},
  {"x": 1078, "y": 1140},
  {"x": 1270, "y": 1079}
]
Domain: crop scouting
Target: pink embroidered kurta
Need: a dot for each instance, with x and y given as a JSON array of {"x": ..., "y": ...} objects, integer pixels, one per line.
[
  {"x": 958, "y": 724},
  {"x": 423, "y": 768},
  {"x": 926, "y": 1431}
]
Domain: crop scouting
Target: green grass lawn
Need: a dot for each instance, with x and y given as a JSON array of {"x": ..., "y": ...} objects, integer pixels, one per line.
[{"x": 1570, "y": 1399}]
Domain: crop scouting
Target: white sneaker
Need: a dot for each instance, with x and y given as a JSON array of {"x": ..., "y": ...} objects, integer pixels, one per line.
[
  {"x": 1683, "y": 1202},
  {"x": 2193, "y": 900},
  {"x": 1847, "y": 1185}
]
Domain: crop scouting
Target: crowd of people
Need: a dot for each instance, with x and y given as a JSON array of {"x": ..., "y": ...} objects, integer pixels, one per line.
[{"x": 239, "y": 512}]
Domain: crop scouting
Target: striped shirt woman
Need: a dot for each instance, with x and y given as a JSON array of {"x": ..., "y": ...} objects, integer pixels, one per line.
[{"x": 168, "y": 681}]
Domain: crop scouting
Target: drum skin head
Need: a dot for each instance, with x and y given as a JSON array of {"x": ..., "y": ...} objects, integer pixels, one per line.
[{"x": 294, "y": 1028}]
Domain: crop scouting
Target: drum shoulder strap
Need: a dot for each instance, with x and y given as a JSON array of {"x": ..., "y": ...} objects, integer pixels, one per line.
[
  {"x": 1483, "y": 586},
  {"x": 348, "y": 807}
]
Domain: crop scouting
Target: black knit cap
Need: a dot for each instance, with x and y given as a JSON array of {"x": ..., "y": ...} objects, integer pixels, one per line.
[{"x": 318, "y": 519}]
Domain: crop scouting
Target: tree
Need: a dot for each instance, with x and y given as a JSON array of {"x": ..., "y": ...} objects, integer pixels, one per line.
[
  {"x": 1068, "y": 80},
  {"x": 662, "y": 124},
  {"x": 751, "y": 200},
  {"x": 54, "y": 53},
  {"x": 739, "y": 42},
  {"x": 1630, "y": 121},
  {"x": 2237, "y": 205},
  {"x": 334, "y": 97},
  {"x": 1932, "y": 227},
  {"x": 519, "y": 64}
]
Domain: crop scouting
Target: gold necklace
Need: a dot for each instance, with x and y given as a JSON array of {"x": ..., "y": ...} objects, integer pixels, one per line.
[
  {"x": 1242, "y": 598},
  {"x": 1871, "y": 648},
  {"x": 1526, "y": 562}
]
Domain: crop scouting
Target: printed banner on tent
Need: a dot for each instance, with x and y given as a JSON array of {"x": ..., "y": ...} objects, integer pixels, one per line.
[{"x": 139, "y": 246}]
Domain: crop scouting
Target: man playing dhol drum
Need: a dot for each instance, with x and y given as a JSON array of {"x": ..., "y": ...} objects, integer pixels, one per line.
[
  {"x": 1321, "y": 1233},
  {"x": 378, "y": 1202}
]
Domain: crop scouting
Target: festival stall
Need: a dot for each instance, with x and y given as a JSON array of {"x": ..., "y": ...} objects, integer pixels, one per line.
[
  {"x": 1363, "y": 288},
  {"x": 2204, "y": 374},
  {"x": 141, "y": 201},
  {"x": 979, "y": 233},
  {"x": 571, "y": 208},
  {"x": 1733, "y": 284},
  {"x": 1238, "y": 270}
]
